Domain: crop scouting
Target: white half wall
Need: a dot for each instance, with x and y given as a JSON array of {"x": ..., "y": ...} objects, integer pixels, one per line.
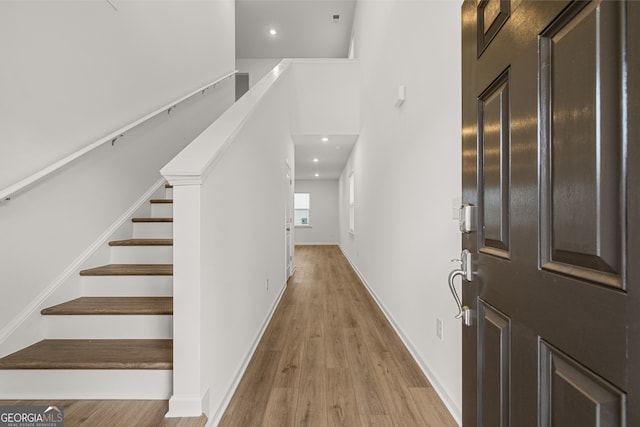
[
  {"x": 407, "y": 171},
  {"x": 230, "y": 198},
  {"x": 324, "y": 213}
]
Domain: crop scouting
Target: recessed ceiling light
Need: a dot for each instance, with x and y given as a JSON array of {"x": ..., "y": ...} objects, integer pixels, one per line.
[
  {"x": 316, "y": 160},
  {"x": 325, "y": 139},
  {"x": 273, "y": 32},
  {"x": 317, "y": 175}
]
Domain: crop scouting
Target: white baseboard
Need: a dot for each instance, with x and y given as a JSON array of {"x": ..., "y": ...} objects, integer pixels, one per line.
[
  {"x": 184, "y": 406},
  {"x": 316, "y": 244},
  {"x": 448, "y": 401},
  {"x": 219, "y": 412},
  {"x": 31, "y": 313}
]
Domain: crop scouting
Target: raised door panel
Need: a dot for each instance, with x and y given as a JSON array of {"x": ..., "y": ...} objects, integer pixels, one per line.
[
  {"x": 573, "y": 396},
  {"x": 582, "y": 144},
  {"x": 494, "y": 138},
  {"x": 491, "y": 16},
  {"x": 494, "y": 361}
]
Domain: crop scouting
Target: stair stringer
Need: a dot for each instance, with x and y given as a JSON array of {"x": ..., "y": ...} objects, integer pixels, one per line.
[{"x": 28, "y": 326}]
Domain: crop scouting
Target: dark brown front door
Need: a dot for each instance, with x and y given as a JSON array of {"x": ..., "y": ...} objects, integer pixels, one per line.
[{"x": 551, "y": 149}]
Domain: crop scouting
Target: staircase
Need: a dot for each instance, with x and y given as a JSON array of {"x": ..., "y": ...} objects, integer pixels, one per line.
[{"x": 115, "y": 341}]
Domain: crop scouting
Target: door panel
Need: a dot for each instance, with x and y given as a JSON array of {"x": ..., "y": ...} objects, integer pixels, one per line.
[
  {"x": 567, "y": 384},
  {"x": 549, "y": 156},
  {"x": 582, "y": 228},
  {"x": 492, "y": 14},
  {"x": 494, "y": 331},
  {"x": 494, "y": 139}
]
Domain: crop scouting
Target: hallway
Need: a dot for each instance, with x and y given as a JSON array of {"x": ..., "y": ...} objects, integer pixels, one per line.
[{"x": 329, "y": 357}]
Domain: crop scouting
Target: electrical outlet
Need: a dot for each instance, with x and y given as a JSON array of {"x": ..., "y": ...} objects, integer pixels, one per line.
[
  {"x": 267, "y": 284},
  {"x": 439, "y": 329}
]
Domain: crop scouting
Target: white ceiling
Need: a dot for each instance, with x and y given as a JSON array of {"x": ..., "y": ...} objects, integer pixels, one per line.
[
  {"x": 305, "y": 29},
  {"x": 332, "y": 155}
]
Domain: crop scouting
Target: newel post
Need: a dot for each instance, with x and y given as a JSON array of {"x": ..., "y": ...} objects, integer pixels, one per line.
[{"x": 187, "y": 398}]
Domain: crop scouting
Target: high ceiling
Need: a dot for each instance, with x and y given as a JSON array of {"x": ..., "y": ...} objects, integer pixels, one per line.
[{"x": 304, "y": 29}]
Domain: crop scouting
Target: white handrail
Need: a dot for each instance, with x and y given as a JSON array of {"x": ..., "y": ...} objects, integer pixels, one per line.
[{"x": 6, "y": 193}]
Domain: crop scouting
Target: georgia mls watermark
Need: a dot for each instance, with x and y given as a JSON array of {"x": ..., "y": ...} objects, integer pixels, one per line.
[{"x": 31, "y": 416}]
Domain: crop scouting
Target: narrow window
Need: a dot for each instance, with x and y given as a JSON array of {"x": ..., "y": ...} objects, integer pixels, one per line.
[{"x": 301, "y": 209}]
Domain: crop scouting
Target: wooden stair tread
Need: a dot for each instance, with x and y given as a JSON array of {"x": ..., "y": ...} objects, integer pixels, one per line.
[
  {"x": 142, "y": 242},
  {"x": 168, "y": 186},
  {"x": 113, "y": 305},
  {"x": 151, "y": 219},
  {"x": 130, "y": 270},
  {"x": 161, "y": 201},
  {"x": 93, "y": 354}
]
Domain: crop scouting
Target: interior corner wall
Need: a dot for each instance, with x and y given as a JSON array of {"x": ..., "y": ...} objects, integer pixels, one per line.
[
  {"x": 256, "y": 67},
  {"x": 407, "y": 171},
  {"x": 323, "y": 229}
]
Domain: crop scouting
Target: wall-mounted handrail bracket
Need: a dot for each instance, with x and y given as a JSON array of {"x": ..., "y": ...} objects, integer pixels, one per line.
[
  {"x": 115, "y": 138},
  {"x": 112, "y": 137}
]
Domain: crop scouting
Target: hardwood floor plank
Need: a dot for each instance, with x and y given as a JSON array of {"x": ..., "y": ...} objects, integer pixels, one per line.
[
  {"x": 431, "y": 407},
  {"x": 280, "y": 410},
  {"x": 333, "y": 358},
  {"x": 400, "y": 401},
  {"x": 290, "y": 364},
  {"x": 368, "y": 393},
  {"x": 377, "y": 421},
  {"x": 311, "y": 405},
  {"x": 249, "y": 403},
  {"x": 342, "y": 406}
]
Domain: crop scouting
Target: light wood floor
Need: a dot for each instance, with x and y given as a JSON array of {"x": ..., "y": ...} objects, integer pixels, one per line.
[
  {"x": 113, "y": 413},
  {"x": 330, "y": 358}
]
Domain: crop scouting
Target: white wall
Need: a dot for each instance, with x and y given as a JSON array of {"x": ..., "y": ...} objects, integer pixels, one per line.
[
  {"x": 72, "y": 72},
  {"x": 256, "y": 67},
  {"x": 324, "y": 212},
  {"x": 327, "y": 96},
  {"x": 407, "y": 171}
]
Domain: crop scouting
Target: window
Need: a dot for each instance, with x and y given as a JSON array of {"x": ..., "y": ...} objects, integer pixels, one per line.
[
  {"x": 352, "y": 204},
  {"x": 301, "y": 208}
]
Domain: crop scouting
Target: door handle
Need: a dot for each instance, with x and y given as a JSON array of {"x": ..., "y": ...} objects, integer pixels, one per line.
[
  {"x": 452, "y": 276},
  {"x": 466, "y": 273}
]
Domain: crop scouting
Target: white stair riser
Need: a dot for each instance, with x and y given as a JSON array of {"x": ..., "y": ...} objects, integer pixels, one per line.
[
  {"x": 108, "y": 327},
  {"x": 141, "y": 254},
  {"x": 161, "y": 210},
  {"x": 168, "y": 193},
  {"x": 151, "y": 230},
  {"x": 114, "y": 286},
  {"x": 77, "y": 384}
]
